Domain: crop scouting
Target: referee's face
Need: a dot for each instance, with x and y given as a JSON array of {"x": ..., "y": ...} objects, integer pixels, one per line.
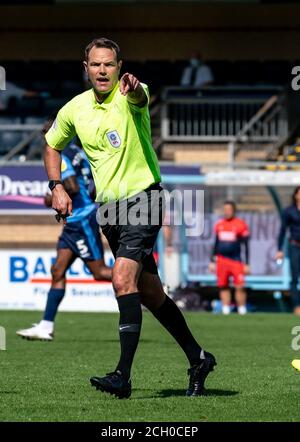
[{"x": 103, "y": 70}]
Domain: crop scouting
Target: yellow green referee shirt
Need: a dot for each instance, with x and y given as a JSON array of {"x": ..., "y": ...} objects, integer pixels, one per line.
[{"x": 116, "y": 137}]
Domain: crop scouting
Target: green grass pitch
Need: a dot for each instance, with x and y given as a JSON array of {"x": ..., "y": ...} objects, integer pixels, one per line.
[{"x": 49, "y": 381}]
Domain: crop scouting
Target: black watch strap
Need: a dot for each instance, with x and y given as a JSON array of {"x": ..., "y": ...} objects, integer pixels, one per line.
[{"x": 53, "y": 183}]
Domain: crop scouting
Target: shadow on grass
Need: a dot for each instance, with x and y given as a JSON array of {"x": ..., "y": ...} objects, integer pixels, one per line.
[
  {"x": 98, "y": 340},
  {"x": 176, "y": 392},
  {"x": 9, "y": 392}
]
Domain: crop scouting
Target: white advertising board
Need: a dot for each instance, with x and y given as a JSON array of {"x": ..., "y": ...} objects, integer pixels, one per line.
[{"x": 25, "y": 280}]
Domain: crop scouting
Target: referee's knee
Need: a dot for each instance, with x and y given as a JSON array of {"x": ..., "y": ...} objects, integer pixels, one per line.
[{"x": 123, "y": 284}]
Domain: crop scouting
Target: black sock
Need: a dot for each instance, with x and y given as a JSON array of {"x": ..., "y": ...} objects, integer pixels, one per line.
[
  {"x": 169, "y": 315},
  {"x": 129, "y": 329}
]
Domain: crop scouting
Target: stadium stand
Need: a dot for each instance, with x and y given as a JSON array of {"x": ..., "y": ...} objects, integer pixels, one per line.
[
  {"x": 240, "y": 118},
  {"x": 57, "y": 81}
]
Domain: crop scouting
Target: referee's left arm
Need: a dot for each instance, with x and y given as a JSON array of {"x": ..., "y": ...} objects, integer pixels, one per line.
[{"x": 132, "y": 88}]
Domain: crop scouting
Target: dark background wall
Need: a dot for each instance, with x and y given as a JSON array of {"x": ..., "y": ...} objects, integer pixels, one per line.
[{"x": 152, "y": 31}]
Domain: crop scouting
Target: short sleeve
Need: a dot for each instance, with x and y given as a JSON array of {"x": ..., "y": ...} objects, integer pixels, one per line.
[
  {"x": 67, "y": 169},
  {"x": 62, "y": 130}
]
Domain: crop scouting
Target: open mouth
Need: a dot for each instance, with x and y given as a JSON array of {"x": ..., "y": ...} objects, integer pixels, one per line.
[{"x": 102, "y": 80}]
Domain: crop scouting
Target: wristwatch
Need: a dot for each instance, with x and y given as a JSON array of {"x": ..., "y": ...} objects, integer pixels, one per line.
[{"x": 53, "y": 183}]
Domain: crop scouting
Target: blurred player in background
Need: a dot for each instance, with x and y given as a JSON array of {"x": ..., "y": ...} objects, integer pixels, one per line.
[
  {"x": 80, "y": 238},
  {"x": 290, "y": 220},
  {"x": 231, "y": 233}
]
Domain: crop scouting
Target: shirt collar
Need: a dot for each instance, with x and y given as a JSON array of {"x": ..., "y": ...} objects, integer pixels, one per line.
[{"x": 107, "y": 100}]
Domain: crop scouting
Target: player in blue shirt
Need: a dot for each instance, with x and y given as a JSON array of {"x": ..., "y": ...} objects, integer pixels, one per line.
[
  {"x": 290, "y": 220},
  {"x": 80, "y": 237}
]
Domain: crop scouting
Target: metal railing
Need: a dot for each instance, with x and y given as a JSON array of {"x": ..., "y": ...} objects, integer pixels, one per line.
[
  {"x": 221, "y": 118},
  {"x": 271, "y": 115},
  {"x": 243, "y": 117},
  {"x": 249, "y": 119}
]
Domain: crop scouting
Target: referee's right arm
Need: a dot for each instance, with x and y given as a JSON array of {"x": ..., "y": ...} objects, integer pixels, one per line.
[
  {"x": 59, "y": 135},
  {"x": 61, "y": 202}
]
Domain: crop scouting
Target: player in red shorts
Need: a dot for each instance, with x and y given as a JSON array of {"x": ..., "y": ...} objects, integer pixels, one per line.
[{"x": 231, "y": 234}]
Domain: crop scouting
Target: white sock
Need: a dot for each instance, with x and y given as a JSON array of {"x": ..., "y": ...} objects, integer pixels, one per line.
[
  {"x": 242, "y": 309},
  {"x": 226, "y": 309},
  {"x": 47, "y": 325}
]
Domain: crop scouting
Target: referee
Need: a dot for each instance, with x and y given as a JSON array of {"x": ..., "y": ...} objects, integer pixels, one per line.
[{"x": 113, "y": 123}]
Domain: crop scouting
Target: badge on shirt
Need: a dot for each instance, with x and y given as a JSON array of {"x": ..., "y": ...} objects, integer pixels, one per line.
[{"x": 114, "y": 138}]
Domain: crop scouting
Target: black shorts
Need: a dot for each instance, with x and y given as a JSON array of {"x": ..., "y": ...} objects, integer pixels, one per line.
[{"x": 131, "y": 226}]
